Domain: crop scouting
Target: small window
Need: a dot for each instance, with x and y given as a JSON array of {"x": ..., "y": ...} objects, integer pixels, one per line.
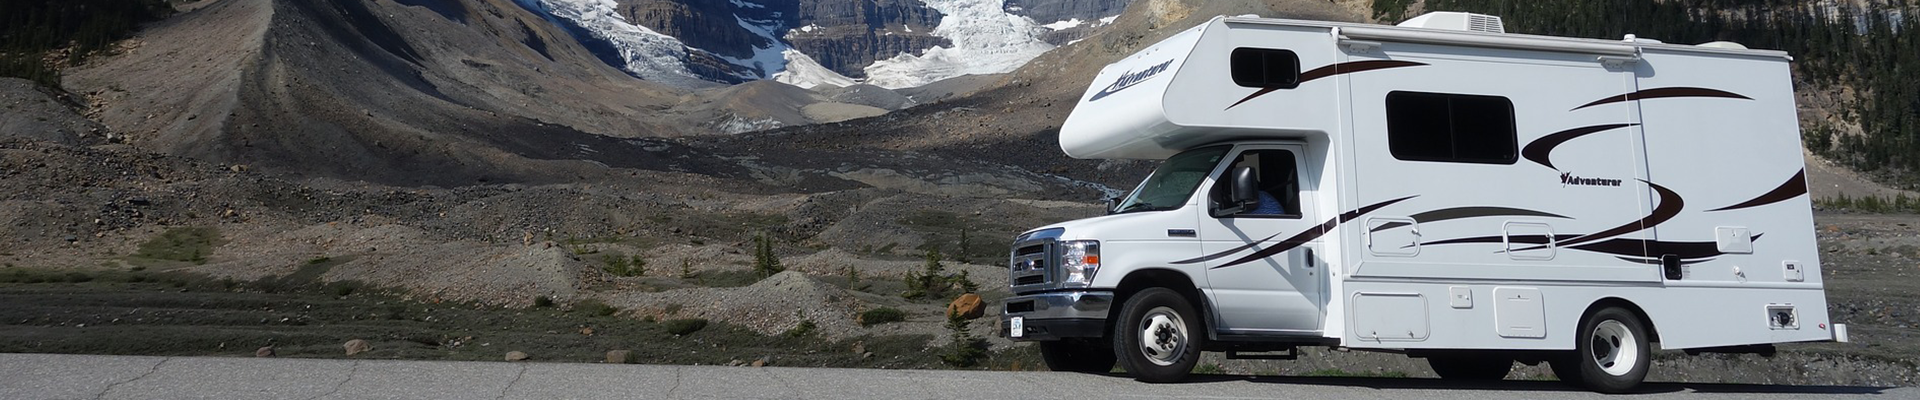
[
  {"x": 1451, "y": 128},
  {"x": 1265, "y": 68}
]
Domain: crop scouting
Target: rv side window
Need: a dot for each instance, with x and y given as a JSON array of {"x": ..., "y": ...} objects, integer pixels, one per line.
[
  {"x": 1450, "y": 128},
  {"x": 1265, "y": 68}
]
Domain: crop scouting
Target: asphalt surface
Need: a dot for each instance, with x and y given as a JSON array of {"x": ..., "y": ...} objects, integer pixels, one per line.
[{"x": 45, "y": 376}]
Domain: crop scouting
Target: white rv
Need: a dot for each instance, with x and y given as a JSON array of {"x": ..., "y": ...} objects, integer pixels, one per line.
[{"x": 1441, "y": 189}]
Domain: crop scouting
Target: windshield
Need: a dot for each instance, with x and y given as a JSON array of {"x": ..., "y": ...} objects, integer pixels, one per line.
[{"x": 1170, "y": 185}]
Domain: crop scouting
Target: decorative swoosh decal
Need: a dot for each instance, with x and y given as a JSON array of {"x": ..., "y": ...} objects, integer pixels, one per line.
[
  {"x": 1658, "y": 93},
  {"x": 1467, "y": 212},
  {"x": 1793, "y": 187},
  {"x": 1539, "y": 149},
  {"x": 1670, "y": 205},
  {"x": 1296, "y": 240},
  {"x": 1335, "y": 69}
]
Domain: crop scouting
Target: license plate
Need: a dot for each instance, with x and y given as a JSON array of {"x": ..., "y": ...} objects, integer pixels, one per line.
[{"x": 1017, "y": 327}]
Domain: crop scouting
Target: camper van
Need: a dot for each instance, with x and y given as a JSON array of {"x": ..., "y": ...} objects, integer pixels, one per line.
[{"x": 1440, "y": 189}]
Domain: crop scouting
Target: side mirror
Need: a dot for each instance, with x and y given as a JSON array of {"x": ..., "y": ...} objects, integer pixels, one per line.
[
  {"x": 1245, "y": 189},
  {"x": 1112, "y": 203},
  {"x": 1241, "y": 193}
]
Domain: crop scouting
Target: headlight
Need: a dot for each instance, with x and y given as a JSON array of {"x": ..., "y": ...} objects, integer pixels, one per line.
[{"x": 1080, "y": 259}]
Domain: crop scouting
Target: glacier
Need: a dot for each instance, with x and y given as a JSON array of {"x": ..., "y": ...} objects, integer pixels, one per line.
[
  {"x": 986, "y": 40},
  {"x": 647, "y": 54}
]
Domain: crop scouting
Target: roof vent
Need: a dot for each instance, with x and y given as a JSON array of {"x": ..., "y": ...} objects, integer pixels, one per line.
[
  {"x": 1457, "y": 21},
  {"x": 1724, "y": 45}
]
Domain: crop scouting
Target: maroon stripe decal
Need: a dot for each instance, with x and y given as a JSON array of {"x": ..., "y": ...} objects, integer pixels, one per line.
[
  {"x": 1335, "y": 69},
  {"x": 1659, "y": 93},
  {"x": 1303, "y": 237},
  {"x": 1539, "y": 150},
  {"x": 1793, "y": 187}
]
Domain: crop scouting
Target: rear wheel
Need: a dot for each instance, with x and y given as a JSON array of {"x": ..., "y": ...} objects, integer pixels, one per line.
[
  {"x": 1471, "y": 368},
  {"x": 1612, "y": 355},
  {"x": 1078, "y": 355},
  {"x": 1159, "y": 336}
]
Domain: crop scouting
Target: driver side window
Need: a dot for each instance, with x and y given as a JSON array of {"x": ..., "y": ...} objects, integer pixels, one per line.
[{"x": 1278, "y": 184}]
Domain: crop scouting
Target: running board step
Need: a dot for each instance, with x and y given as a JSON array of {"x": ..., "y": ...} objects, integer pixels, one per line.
[{"x": 1291, "y": 353}]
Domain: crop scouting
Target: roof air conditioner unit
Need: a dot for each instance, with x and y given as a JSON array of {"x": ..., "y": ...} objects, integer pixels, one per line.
[{"x": 1457, "y": 21}]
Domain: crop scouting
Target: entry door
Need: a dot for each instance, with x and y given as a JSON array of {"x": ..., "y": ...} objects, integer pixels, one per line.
[{"x": 1262, "y": 282}]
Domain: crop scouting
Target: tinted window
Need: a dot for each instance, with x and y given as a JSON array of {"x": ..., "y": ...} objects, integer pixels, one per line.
[
  {"x": 1265, "y": 68},
  {"x": 1450, "y": 128}
]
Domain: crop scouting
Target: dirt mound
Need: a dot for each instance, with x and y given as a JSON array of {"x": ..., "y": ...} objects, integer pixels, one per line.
[{"x": 37, "y": 113}]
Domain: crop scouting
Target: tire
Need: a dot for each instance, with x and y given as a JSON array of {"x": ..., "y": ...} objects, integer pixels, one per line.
[
  {"x": 1078, "y": 355},
  {"x": 1612, "y": 354},
  {"x": 1159, "y": 336},
  {"x": 1471, "y": 368}
]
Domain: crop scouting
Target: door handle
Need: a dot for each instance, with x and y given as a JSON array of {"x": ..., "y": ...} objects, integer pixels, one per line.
[
  {"x": 1182, "y": 233},
  {"x": 1310, "y": 260}
]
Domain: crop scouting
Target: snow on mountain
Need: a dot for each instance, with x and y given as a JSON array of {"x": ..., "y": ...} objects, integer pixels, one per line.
[
  {"x": 986, "y": 40},
  {"x": 767, "y": 60},
  {"x": 647, "y": 54},
  {"x": 803, "y": 71}
]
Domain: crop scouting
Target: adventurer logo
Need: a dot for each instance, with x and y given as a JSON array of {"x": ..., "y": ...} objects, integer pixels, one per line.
[
  {"x": 1131, "y": 78},
  {"x": 1567, "y": 179}
]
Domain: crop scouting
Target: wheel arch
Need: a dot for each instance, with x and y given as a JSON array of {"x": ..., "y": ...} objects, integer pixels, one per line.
[
  {"x": 1145, "y": 278},
  {"x": 1653, "y": 332}
]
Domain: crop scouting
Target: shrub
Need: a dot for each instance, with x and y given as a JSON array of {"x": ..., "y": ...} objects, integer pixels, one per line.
[
  {"x": 882, "y": 315},
  {"x": 542, "y": 301},
  {"x": 683, "y": 327},
  {"x": 806, "y": 327}
]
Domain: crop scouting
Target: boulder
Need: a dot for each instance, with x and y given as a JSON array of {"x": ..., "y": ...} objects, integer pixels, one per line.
[
  {"x": 264, "y": 352},
  {"x": 357, "y": 346},
  {"x": 969, "y": 306},
  {"x": 619, "y": 356},
  {"x": 516, "y": 356}
]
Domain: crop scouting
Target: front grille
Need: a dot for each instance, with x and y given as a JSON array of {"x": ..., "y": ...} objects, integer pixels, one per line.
[{"x": 1030, "y": 266}]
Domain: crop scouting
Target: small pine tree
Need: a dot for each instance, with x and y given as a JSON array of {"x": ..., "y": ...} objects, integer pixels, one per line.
[
  {"x": 765, "y": 263},
  {"x": 965, "y": 350},
  {"x": 686, "y": 269},
  {"x": 853, "y": 278}
]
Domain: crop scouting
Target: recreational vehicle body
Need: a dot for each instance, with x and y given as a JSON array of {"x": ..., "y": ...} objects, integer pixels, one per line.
[{"x": 1441, "y": 189}]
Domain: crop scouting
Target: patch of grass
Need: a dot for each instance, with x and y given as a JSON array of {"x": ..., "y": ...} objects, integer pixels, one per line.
[
  {"x": 621, "y": 265},
  {"x": 683, "y": 327},
  {"x": 186, "y": 244},
  {"x": 594, "y": 307},
  {"x": 319, "y": 260},
  {"x": 882, "y": 315},
  {"x": 1209, "y": 369},
  {"x": 727, "y": 278}
]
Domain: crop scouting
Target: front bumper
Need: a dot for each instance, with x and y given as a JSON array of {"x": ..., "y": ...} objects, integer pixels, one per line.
[{"x": 1057, "y": 315}]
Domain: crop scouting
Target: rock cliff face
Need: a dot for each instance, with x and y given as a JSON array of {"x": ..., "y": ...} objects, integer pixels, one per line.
[{"x": 848, "y": 35}]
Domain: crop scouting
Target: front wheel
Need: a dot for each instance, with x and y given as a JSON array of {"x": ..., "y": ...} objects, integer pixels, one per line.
[
  {"x": 1159, "y": 336},
  {"x": 1078, "y": 355},
  {"x": 1612, "y": 355}
]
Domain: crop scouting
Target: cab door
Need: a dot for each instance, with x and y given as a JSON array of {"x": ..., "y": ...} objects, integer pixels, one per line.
[{"x": 1262, "y": 269}]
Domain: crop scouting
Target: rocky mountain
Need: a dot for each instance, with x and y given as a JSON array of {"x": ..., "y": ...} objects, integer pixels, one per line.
[{"x": 889, "y": 43}]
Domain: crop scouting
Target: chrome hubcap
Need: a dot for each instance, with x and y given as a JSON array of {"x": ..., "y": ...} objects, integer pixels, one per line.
[
  {"x": 1615, "y": 349},
  {"x": 1163, "y": 336}
]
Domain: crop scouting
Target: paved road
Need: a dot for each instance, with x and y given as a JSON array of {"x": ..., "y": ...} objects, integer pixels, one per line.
[{"x": 40, "y": 376}]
